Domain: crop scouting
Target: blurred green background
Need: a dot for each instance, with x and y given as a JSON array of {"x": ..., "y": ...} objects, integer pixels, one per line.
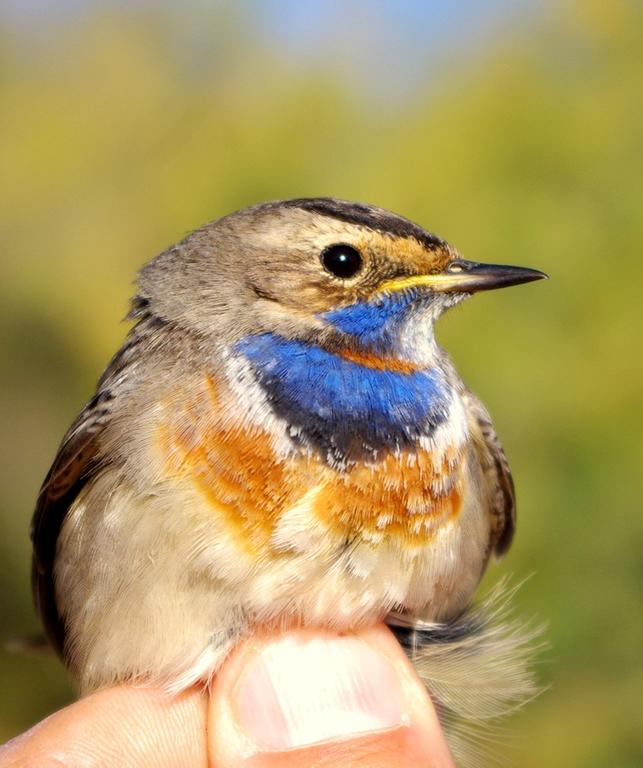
[{"x": 513, "y": 129}]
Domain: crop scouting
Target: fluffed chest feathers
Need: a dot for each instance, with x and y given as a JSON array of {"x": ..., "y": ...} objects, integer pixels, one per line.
[{"x": 346, "y": 492}]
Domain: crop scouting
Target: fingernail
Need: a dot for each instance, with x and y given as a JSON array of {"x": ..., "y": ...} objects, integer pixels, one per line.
[{"x": 301, "y": 691}]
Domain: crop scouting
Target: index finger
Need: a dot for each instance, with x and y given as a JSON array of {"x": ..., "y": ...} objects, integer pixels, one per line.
[{"x": 116, "y": 727}]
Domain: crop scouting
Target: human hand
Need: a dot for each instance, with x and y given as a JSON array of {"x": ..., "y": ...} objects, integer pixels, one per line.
[{"x": 300, "y": 699}]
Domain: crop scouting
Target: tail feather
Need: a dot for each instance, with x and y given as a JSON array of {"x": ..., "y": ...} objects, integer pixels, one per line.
[
  {"x": 34, "y": 645},
  {"x": 478, "y": 669}
]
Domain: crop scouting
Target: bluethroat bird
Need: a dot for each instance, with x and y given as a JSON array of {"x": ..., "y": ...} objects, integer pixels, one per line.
[{"x": 280, "y": 440}]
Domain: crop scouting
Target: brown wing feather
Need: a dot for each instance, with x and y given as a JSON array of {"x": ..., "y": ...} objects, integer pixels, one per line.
[
  {"x": 73, "y": 466},
  {"x": 502, "y": 497}
]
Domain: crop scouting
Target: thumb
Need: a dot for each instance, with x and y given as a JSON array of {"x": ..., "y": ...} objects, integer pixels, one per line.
[{"x": 322, "y": 698}]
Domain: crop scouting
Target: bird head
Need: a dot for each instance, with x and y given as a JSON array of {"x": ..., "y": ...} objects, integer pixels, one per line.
[{"x": 335, "y": 273}]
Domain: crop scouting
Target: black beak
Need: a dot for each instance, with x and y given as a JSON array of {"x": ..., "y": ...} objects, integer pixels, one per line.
[
  {"x": 470, "y": 277},
  {"x": 462, "y": 276}
]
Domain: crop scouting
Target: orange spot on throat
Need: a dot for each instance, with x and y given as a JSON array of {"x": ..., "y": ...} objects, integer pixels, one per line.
[{"x": 370, "y": 360}]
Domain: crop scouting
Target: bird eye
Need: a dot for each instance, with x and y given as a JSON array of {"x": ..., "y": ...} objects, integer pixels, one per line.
[
  {"x": 456, "y": 266},
  {"x": 342, "y": 260}
]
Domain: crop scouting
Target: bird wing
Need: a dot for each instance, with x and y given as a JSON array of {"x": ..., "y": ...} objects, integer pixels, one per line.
[
  {"x": 76, "y": 463},
  {"x": 497, "y": 474}
]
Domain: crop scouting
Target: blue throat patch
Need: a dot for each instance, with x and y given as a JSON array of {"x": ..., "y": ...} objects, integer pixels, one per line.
[
  {"x": 375, "y": 324},
  {"x": 346, "y": 410}
]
